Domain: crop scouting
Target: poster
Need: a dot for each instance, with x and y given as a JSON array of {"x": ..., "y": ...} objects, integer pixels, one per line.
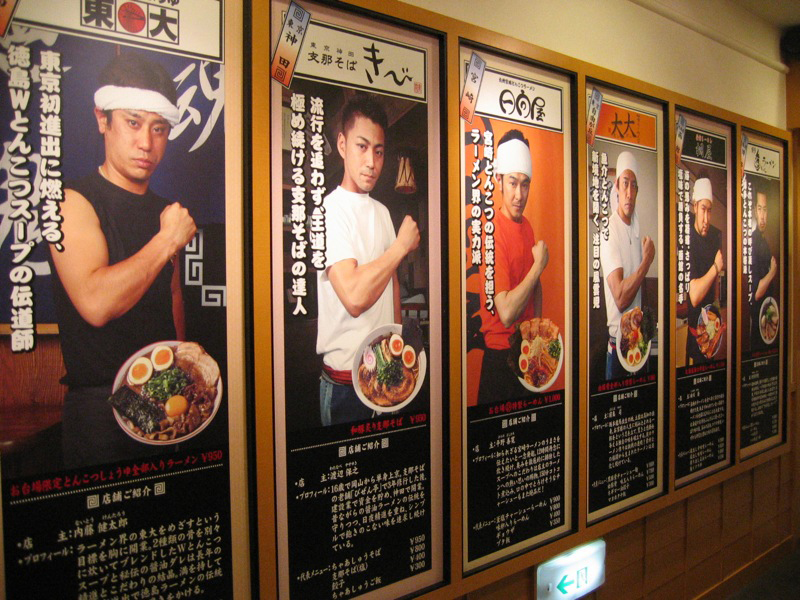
[
  {"x": 517, "y": 243},
  {"x": 625, "y": 245},
  {"x": 114, "y": 422},
  {"x": 357, "y": 310},
  {"x": 703, "y": 328},
  {"x": 762, "y": 294}
]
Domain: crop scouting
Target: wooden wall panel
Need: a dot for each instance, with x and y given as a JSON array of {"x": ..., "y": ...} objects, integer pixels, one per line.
[{"x": 700, "y": 546}]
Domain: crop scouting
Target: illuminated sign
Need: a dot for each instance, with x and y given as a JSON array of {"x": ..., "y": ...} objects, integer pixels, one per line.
[{"x": 572, "y": 574}]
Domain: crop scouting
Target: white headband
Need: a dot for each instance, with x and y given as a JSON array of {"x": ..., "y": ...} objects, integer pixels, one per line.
[
  {"x": 513, "y": 156},
  {"x": 626, "y": 162},
  {"x": 112, "y": 97},
  {"x": 702, "y": 190}
]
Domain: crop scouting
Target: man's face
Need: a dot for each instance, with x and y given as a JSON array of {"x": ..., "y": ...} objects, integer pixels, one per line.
[
  {"x": 627, "y": 190},
  {"x": 514, "y": 187},
  {"x": 761, "y": 211},
  {"x": 135, "y": 141},
  {"x": 702, "y": 216},
  {"x": 362, "y": 149}
]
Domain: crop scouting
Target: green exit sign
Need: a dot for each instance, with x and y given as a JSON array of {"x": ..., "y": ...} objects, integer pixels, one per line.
[{"x": 572, "y": 574}]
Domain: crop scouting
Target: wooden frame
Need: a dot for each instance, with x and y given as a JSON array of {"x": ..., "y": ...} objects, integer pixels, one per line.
[{"x": 456, "y": 32}]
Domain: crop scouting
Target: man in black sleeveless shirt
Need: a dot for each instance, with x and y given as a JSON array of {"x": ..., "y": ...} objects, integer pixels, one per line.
[{"x": 118, "y": 285}]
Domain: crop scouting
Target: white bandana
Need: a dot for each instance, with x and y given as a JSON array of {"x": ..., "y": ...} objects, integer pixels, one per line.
[
  {"x": 702, "y": 190},
  {"x": 513, "y": 156},
  {"x": 112, "y": 97},
  {"x": 626, "y": 162}
]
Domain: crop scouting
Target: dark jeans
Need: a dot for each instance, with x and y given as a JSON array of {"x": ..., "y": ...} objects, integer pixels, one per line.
[{"x": 340, "y": 403}]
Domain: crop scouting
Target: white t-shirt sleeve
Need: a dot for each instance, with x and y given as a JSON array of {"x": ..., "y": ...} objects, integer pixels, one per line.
[
  {"x": 338, "y": 235},
  {"x": 610, "y": 255}
]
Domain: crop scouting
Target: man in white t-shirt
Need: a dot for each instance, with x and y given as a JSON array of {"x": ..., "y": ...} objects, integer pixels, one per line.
[
  {"x": 358, "y": 290},
  {"x": 624, "y": 258}
]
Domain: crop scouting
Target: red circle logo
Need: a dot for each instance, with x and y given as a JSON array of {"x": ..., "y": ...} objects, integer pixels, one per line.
[{"x": 131, "y": 17}]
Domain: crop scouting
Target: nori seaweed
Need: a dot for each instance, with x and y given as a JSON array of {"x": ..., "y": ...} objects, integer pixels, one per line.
[{"x": 145, "y": 415}]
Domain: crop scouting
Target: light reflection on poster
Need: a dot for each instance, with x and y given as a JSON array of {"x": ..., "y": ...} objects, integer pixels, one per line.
[
  {"x": 703, "y": 289},
  {"x": 762, "y": 309},
  {"x": 112, "y": 255},
  {"x": 625, "y": 177},
  {"x": 517, "y": 239},
  {"x": 357, "y": 310}
]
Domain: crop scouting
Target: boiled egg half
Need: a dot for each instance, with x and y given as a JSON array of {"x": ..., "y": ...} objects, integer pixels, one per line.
[
  {"x": 162, "y": 357},
  {"x": 140, "y": 372}
]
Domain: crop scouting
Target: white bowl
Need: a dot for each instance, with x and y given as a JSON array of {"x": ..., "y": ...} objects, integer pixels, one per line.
[
  {"x": 369, "y": 339},
  {"x": 120, "y": 380}
]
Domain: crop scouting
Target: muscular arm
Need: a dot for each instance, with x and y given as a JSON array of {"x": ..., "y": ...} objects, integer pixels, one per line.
[
  {"x": 766, "y": 280},
  {"x": 624, "y": 289},
  {"x": 101, "y": 292},
  {"x": 699, "y": 286},
  {"x": 357, "y": 286},
  {"x": 511, "y": 303}
]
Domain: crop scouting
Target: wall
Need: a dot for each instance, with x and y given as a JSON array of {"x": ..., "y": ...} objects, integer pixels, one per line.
[
  {"x": 634, "y": 37},
  {"x": 695, "y": 547}
]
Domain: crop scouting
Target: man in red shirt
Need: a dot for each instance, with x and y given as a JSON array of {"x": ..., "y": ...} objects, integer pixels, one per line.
[{"x": 519, "y": 263}]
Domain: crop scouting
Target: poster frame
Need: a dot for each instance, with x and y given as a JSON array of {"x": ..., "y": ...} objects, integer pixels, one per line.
[
  {"x": 235, "y": 57},
  {"x": 354, "y": 21},
  {"x": 643, "y": 102},
  {"x": 733, "y": 304},
  {"x": 775, "y": 143},
  {"x": 570, "y": 265}
]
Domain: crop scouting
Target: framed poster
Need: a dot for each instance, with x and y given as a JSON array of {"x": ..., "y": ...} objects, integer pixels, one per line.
[
  {"x": 626, "y": 358},
  {"x": 703, "y": 297},
  {"x": 762, "y": 288},
  {"x": 518, "y": 307},
  {"x": 357, "y": 319},
  {"x": 116, "y": 390}
]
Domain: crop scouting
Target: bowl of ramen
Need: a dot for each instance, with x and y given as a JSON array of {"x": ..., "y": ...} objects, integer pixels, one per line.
[
  {"x": 768, "y": 320},
  {"x": 388, "y": 370},
  {"x": 634, "y": 339},
  {"x": 536, "y": 353},
  {"x": 708, "y": 333},
  {"x": 166, "y": 392}
]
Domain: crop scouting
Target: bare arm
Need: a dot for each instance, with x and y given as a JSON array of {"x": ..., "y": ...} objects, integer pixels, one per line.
[
  {"x": 358, "y": 287},
  {"x": 178, "y": 316},
  {"x": 511, "y": 303},
  {"x": 763, "y": 283},
  {"x": 101, "y": 292},
  {"x": 699, "y": 286},
  {"x": 624, "y": 290}
]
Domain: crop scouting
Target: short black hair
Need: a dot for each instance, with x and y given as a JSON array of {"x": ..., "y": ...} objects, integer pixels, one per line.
[
  {"x": 133, "y": 70},
  {"x": 513, "y": 134},
  {"x": 364, "y": 106}
]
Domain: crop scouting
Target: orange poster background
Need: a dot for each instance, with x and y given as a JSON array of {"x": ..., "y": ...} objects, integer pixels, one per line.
[
  {"x": 545, "y": 211},
  {"x": 6, "y": 11},
  {"x": 626, "y": 125}
]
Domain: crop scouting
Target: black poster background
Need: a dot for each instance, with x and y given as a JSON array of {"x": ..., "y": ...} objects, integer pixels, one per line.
[
  {"x": 365, "y": 491},
  {"x": 762, "y": 395},
  {"x": 703, "y": 400},
  {"x": 625, "y": 413}
]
